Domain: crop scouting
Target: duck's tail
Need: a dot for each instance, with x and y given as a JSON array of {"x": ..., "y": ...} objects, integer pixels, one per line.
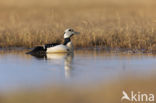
[{"x": 39, "y": 50}]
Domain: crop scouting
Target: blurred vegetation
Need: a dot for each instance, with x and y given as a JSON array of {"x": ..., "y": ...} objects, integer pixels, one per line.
[
  {"x": 104, "y": 23},
  {"x": 110, "y": 92}
]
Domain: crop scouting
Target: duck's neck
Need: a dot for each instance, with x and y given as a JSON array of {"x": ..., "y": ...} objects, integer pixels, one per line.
[{"x": 66, "y": 41}]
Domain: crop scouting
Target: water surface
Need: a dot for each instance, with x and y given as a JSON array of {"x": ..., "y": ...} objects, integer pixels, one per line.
[{"x": 19, "y": 70}]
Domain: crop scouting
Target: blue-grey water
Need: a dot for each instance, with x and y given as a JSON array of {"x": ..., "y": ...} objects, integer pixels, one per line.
[{"x": 19, "y": 70}]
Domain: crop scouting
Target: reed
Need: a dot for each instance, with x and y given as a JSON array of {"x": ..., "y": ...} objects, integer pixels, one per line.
[{"x": 126, "y": 24}]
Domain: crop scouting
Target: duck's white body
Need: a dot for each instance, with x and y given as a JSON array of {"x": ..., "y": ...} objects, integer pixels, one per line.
[
  {"x": 57, "y": 49},
  {"x": 61, "y": 48}
]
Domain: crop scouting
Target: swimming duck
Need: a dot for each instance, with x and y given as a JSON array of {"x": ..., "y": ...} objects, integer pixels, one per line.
[{"x": 66, "y": 47}]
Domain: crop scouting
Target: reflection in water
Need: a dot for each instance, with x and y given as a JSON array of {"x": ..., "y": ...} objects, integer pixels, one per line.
[
  {"x": 67, "y": 57},
  {"x": 68, "y": 64},
  {"x": 20, "y": 70}
]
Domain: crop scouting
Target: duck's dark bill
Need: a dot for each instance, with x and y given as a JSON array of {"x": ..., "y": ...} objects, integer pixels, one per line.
[{"x": 76, "y": 32}]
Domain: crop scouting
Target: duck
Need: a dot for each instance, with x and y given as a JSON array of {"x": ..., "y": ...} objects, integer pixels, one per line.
[{"x": 66, "y": 47}]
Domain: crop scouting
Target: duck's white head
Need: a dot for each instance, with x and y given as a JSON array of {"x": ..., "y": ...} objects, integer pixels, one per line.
[{"x": 69, "y": 33}]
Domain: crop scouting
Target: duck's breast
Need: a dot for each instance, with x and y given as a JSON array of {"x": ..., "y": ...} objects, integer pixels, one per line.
[{"x": 57, "y": 49}]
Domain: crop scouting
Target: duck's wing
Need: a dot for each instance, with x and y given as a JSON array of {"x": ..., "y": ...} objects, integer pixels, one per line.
[
  {"x": 41, "y": 50},
  {"x": 51, "y": 45}
]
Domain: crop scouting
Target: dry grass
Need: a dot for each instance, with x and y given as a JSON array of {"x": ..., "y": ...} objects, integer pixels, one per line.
[
  {"x": 105, "y": 93},
  {"x": 104, "y": 23}
]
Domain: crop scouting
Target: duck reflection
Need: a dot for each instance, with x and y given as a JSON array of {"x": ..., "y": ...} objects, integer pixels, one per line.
[
  {"x": 67, "y": 57},
  {"x": 68, "y": 64}
]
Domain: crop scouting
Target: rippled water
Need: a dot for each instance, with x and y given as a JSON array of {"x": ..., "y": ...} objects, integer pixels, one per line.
[{"x": 18, "y": 70}]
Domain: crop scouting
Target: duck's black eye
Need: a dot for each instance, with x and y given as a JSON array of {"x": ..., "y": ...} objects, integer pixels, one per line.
[{"x": 70, "y": 30}]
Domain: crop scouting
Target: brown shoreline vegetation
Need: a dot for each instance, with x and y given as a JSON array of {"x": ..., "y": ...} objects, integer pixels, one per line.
[
  {"x": 128, "y": 24},
  {"x": 103, "y": 93}
]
